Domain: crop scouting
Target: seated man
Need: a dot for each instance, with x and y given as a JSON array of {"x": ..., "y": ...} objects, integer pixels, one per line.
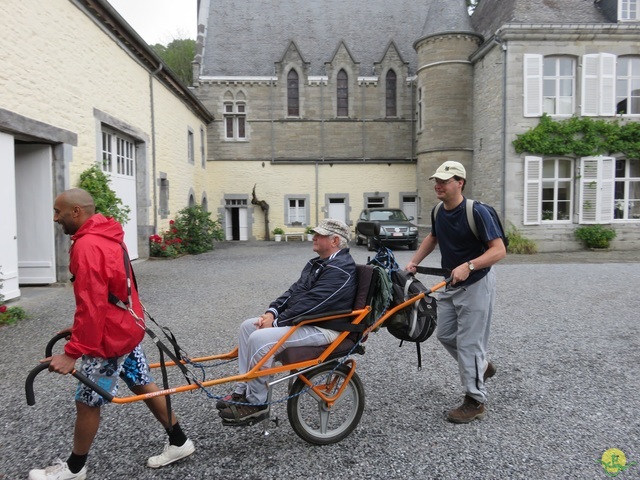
[{"x": 327, "y": 283}]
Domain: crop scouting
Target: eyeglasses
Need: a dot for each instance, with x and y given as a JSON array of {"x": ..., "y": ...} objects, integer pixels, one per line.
[{"x": 437, "y": 181}]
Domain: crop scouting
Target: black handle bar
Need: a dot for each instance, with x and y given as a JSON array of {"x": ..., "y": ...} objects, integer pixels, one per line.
[
  {"x": 31, "y": 399},
  {"x": 48, "y": 351},
  {"x": 438, "y": 272}
]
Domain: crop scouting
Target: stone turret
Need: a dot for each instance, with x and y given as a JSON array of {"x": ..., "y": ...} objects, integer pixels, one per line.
[{"x": 444, "y": 129}]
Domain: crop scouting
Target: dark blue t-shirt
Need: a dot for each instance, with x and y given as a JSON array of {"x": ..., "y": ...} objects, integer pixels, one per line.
[{"x": 456, "y": 240}]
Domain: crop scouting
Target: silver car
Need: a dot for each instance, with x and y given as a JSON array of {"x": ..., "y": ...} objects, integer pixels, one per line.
[{"x": 395, "y": 229}]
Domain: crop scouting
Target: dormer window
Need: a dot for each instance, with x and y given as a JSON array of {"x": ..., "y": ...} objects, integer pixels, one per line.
[{"x": 628, "y": 10}]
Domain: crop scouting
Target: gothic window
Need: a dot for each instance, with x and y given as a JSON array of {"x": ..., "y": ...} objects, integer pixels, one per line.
[
  {"x": 391, "y": 94},
  {"x": 293, "y": 94},
  {"x": 343, "y": 94},
  {"x": 235, "y": 120}
]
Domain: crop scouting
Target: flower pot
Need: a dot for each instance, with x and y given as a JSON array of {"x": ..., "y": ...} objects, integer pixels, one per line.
[
  {"x": 278, "y": 237},
  {"x": 310, "y": 237}
]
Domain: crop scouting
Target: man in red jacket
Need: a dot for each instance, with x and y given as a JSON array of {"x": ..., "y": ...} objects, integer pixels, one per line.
[{"x": 105, "y": 336}]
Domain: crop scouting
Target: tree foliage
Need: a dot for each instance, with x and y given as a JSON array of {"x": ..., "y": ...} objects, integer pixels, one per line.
[
  {"x": 178, "y": 56},
  {"x": 581, "y": 136}
]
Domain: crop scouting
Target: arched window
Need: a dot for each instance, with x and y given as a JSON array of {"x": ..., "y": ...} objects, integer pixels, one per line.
[
  {"x": 343, "y": 94},
  {"x": 293, "y": 94},
  {"x": 392, "y": 110}
]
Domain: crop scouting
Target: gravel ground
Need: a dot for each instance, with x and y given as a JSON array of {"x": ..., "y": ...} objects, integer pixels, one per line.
[{"x": 564, "y": 338}]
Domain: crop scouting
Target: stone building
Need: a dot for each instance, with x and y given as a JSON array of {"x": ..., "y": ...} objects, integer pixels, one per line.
[{"x": 330, "y": 107}]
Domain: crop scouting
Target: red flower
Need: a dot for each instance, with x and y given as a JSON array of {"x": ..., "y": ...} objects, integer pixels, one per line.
[
  {"x": 175, "y": 230},
  {"x": 171, "y": 222},
  {"x": 3, "y": 308}
]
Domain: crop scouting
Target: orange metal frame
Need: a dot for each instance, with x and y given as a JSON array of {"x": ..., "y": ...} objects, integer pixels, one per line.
[{"x": 257, "y": 371}]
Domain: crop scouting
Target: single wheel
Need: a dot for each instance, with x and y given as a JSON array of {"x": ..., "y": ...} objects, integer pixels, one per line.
[
  {"x": 311, "y": 417},
  {"x": 371, "y": 244}
]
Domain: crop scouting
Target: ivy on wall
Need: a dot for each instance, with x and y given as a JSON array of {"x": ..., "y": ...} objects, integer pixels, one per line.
[{"x": 581, "y": 136}]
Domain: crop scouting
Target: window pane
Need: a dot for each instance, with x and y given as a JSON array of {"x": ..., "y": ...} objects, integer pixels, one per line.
[
  {"x": 229, "y": 127},
  {"x": 566, "y": 67},
  {"x": 343, "y": 94},
  {"x": 549, "y": 67},
  {"x": 564, "y": 169},
  {"x": 293, "y": 93},
  {"x": 391, "y": 94},
  {"x": 241, "y": 127}
]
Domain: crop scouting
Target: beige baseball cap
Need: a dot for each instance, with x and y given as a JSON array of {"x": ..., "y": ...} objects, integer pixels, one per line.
[{"x": 449, "y": 169}]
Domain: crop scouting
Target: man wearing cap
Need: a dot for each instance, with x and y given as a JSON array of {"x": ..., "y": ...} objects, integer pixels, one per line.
[
  {"x": 465, "y": 307},
  {"x": 327, "y": 283}
]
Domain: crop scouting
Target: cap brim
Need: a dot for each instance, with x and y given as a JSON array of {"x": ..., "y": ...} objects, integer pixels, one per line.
[{"x": 442, "y": 176}]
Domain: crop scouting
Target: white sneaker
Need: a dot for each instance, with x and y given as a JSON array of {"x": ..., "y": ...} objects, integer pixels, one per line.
[
  {"x": 171, "y": 453},
  {"x": 58, "y": 471}
]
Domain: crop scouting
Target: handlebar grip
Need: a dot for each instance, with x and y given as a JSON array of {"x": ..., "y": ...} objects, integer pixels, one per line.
[
  {"x": 48, "y": 351},
  {"x": 31, "y": 400}
]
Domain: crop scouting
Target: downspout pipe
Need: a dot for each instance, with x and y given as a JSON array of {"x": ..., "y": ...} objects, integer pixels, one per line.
[
  {"x": 153, "y": 147},
  {"x": 503, "y": 206}
]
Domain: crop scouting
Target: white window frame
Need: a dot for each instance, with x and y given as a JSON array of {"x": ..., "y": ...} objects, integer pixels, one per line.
[
  {"x": 599, "y": 85},
  {"x": 558, "y": 80},
  {"x": 597, "y": 175},
  {"x": 235, "y": 120},
  {"x": 118, "y": 154},
  {"x": 297, "y": 213},
  {"x": 556, "y": 180},
  {"x": 632, "y": 77},
  {"x": 628, "y": 10},
  {"x": 624, "y": 204}
]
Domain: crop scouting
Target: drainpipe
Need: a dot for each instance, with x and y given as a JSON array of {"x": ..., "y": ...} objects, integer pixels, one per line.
[
  {"x": 503, "y": 46},
  {"x": 271, "y": 114},
  {"x": 321, "y": 148},
  {"x": 153, "y": 149}
]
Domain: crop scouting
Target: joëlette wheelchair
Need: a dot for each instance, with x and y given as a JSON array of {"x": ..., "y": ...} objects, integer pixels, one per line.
[{"x": 326, "y": 395}]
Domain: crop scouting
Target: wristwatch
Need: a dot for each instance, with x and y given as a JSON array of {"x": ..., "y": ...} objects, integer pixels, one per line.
[{"x": 471, "y": 266}]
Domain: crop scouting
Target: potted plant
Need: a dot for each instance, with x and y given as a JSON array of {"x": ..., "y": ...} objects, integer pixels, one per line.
[
  {"x": 278, "y": 232},
  {"x": 309, "y": 232},
  {"x": 595, "y": 236}
]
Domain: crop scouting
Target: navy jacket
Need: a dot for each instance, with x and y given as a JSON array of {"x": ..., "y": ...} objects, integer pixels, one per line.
[{"x": 324, "y": 286}]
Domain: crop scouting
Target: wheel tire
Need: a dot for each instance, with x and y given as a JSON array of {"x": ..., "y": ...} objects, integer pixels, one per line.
[
  {"x": 310, "y": 417},
  {"x": 413, "y": 245},
  {"x": 371, "y": 244}
]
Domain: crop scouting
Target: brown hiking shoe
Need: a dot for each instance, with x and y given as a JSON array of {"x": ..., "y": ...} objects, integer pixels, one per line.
[
  {"x": 490, "y": 371},
  {"x": 467, "y": 412}
]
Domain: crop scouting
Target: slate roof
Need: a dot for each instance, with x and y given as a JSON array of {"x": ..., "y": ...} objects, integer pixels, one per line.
[
  {"x": 246, "y": 37},
  {"x": 447, "y": 16},
  {"x": 492, "y": 14}
]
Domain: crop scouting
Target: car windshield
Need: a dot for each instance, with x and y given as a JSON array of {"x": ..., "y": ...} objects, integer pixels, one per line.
[{"x": 388, "y": 215}]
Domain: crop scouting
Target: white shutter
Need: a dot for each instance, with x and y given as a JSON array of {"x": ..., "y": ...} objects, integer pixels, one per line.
[
  {"x": 607, "y": 84},
  {"x": 532, "y": 190},
  {"x": 596, "y": 189},
  {"x": 590, "y": 84},
  {"x": 532, "y": 85},
  {"x": 599, "y": 84}
]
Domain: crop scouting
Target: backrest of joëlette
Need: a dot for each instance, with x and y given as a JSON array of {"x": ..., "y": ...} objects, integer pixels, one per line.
[{"x": 364, "y": 276}]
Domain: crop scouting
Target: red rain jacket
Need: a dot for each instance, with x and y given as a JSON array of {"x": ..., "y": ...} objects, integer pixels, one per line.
[{"x": 100, "y": 329}]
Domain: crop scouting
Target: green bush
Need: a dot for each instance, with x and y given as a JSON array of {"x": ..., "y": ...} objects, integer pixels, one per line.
[
  {"x": 94, "y": 181},
  {"x": 278, "y": 231},
  {"x": 192, "y": 232},
  {"x": 518, "y": 243},
  {"x": 595, "y": 236}
]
